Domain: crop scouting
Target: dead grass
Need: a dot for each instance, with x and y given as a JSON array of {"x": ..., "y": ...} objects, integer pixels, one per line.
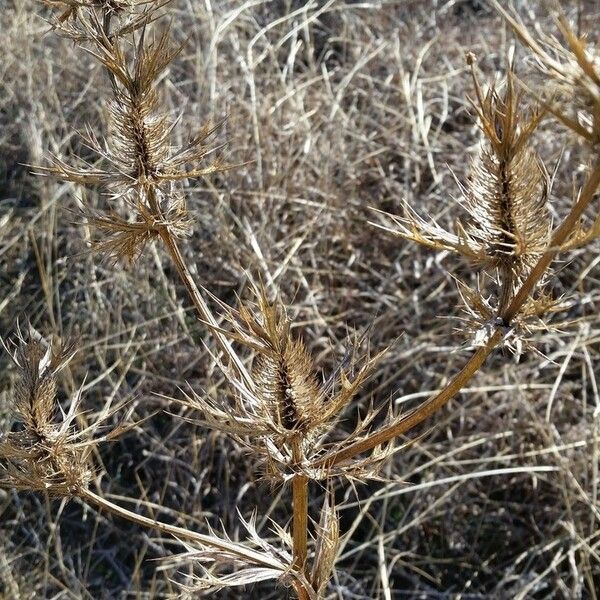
[{"x": 340, "y": 106}]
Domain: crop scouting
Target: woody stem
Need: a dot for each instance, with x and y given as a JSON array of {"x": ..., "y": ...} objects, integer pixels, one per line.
[{"x": 300, "y": 512}]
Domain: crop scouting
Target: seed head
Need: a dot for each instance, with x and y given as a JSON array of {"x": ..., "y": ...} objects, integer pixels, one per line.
[
  {"x": 508, "y": 188},
  {"x": 45, "y": 450},
  {"x": 571, "y": 72},
  {"x": 283, "y": 370},
  {"x": 508, "y": 225},
  {"x": 41, "y": 454},
  {"x": 286, "y": 405},
  {"x": 139, "y": 167}
]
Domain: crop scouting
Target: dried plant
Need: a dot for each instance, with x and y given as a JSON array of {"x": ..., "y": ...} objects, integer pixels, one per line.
[
  {"x": 285, "y": 419},
  {"x": 515, "y": 305},
  {"x": 79, "y": 19},
  {"x": 51, "y": 453},
  {"x": 141, "y": 169},
  {"x": 286, "y": 406},
  {"x": 571, "y": 90},
  {"x": 47, "y": 453},
  {"x": 280, "y": 409},
  {"x": 505, "y": 198},
  {"x": 141, "y": 166},
  {"x": 571, "y": 74}
]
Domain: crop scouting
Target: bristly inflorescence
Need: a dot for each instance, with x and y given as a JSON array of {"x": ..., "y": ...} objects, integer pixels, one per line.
[
  {"x": 44, "y": 453},
  {"x": 283, "y": 372},
  {"x": 570, "y": 71},
  {"x": 507, "y": 193},
  {"x": 508, "y": 225},
  {"x": 286, "y": 404},
  {"x": 138, "y": 165},
  {"x": 47, "y": 449}
]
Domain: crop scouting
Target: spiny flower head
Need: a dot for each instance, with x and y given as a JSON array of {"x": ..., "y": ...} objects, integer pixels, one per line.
[
  {"x": 508, "y": 189},
  {"x": 41, "y": 454},
  {"x": 35, "y": 390},
  {"x": 571, "y": 71},
  {"x": 508, "y": 224},
  {"x": 283, "y": 371},
  {"x": 286, "y": 405},
  {"x": 45, "y": 450},
  {"x": 138, "y": 165},
  {"x": 505, "y": 196}
]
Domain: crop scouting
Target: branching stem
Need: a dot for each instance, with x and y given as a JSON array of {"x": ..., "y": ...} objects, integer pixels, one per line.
[
  {"x": 433, "y": 404},
  {"x": 201, "y": 307}
]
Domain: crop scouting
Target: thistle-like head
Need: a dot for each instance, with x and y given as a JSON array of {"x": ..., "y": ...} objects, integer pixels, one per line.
[{"x": 287, "y": 408}]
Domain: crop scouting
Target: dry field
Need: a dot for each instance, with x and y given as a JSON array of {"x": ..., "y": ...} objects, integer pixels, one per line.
[{"x": 329, "y": 109}]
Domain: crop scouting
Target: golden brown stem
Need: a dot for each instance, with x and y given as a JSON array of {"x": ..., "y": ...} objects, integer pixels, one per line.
[
  {"x": 300, "y": 517},
  {"x": 300, "y": 506},
  {"x": 201, "y": 307},
  {"x": 301, "y": 592},
  {"x": 436, "y": 402},
  {"x": 507, "y": 283},
  {"x": 300, "y": 526},
  {"x": 421, "y": 413}
]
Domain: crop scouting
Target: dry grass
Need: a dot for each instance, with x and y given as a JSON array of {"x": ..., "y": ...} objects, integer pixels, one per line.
[{"x": 339, "y": 107}]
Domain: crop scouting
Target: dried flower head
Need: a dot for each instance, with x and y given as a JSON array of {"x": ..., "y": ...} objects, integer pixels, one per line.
[
  {"x": 508, "y": 189},
  {"x": 571, "y": 70},
  {"x": 508, "y": 224},
  {"x": 138, "y": 167},
  {"x": 43, "y": 453},
  {"x": 505, "y": 197},
  {"x": 286, "y": 405},
  {"x": 283, "y": 371},
  {"x": 46, "y": 450}
]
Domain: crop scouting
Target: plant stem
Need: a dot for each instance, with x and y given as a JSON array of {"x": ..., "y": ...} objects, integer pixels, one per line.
[
  {"x": 422, "y": 412},
  {"x": 202, "y": 308},
  {"x": 507, "y": 282},
  {"x": 300, "y": 516},
  {"x": 300, "y": 507},
  {"x": 433, "y": 404},
  {"x": 302, "y": 593},
  {"x": 180, "y": 532},
  {"x": 300, "y": 525}
]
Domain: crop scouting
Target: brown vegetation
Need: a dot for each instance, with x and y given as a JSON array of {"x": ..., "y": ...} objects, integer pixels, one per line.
[{"x": 317, "y": 341}]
